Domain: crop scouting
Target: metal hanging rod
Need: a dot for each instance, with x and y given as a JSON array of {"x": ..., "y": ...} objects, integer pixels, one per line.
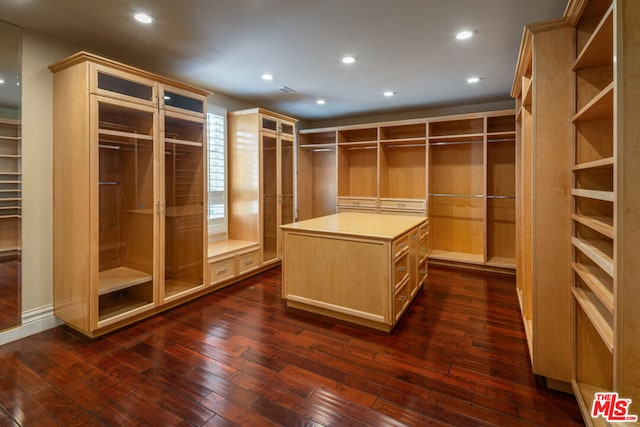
[
  {"x": 403, "y": 146},
  {"x": 501, "y": 197},
  {"x": 475, "y": 141},
  {"x": 502, "y": 140},
  {"x": 475, "y": 196},
  {"x": 360, "y": 148}
]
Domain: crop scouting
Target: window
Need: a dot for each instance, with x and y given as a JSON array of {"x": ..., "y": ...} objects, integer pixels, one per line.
[{"x": 217, "y": 180}]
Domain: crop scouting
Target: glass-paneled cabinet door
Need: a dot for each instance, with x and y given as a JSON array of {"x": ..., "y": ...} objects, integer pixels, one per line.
[
  {"x": 126, "y": 209},
  {"x": 269, "y": 197},
  {"x": 287, "y": 129},
  {"x": 287, "y": 176},
  {"x": 113, "y": 83},
  {"x": 183, "y": 210}
]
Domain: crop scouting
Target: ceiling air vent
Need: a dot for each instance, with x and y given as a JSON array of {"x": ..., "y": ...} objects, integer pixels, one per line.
[{"x": 286, "y": 89}]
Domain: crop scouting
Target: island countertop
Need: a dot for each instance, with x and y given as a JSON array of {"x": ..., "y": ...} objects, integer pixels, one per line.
[{"x": 378, "y": 226}]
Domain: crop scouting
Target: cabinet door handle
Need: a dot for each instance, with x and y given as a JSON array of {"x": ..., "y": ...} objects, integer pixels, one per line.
[
  {"x": 423, "y": 271},
  {"x": 158, "y": 207},
  {"x": 222, "y": 271},
  {"x": 402, "y": 269},
  {"x": 403, "y": 245},
  {"x": 402, "y": 298}
]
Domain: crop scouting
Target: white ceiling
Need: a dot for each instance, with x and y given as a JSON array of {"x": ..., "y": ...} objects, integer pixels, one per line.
[{"x": 407, "y": 46}]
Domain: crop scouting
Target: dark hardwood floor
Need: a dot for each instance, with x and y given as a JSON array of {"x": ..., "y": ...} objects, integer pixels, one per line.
[{"x": 239, "y": 357}]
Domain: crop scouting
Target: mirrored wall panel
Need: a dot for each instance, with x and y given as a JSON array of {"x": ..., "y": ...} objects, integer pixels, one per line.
[{"x": 10, "y": 176}]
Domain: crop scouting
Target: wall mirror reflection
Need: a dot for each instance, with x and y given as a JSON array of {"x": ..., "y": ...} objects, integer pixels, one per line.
[{"x": 10, "y": 176}]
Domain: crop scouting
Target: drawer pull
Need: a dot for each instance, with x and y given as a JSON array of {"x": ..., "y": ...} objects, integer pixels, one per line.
[
  {"x": 356, "y": 203},
  {"x": 423, "y": 271},
  {"x": 403, "y": 245},
  {"x": 402, "y": 269},
  {"x": 248, "y": 262},
  {"x": 402, "y": 205},
  {"x": 222, "y": 271},
  {"x": 402, "y": 298}
]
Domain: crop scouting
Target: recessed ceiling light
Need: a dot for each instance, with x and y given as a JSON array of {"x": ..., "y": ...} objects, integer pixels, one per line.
[
  {"x": 167, "y": 97},
  {"x": 143, "y": 18},
  {"x": 474, "y": 79},
  {"x": 388, "y": 93},
  {"x": 267, "y": 76},
  {"x": 349, "y": 59},
  {"x": 463, "y": 35},
  {"x": 1, "y": 81},
  {"x": 321, "y": 101}
]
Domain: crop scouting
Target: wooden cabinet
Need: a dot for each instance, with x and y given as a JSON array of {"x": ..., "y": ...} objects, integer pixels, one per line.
[
  {"x": 462, "y": 168},
  {"x": 471, "y": 189},
  {"x": 605, "y": 198},
  {"x": 10, "y": 189},
  {"x": 317, "y": 174},
  {"x": 375, "y": 255},
  {"x": 261, "y": 179},
  {"x": 542, "y": 88},
  {"x": 129, "y": 192}
]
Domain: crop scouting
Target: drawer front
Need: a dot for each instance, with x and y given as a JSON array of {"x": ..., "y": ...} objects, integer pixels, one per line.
[
  {"x": 400, "y": 270},
  {"x": 360, "y": 210},
  {"x": 222, "y": 270},
  {"x": 248, "y": 261},
  {"x": 400, "y": 246},
  {"x": 410, "y": 204},
  {"x": 423, "y": 230},
  {"x": 423, "y": 272},
  {"x": 357, "y": 202},
  {"x": 423, "y": 249},
  {"x": 400, "y": 301},
  {"x": 401, "y": 212}
]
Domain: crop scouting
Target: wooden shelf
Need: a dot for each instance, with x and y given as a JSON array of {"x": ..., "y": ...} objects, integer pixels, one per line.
[
  {"x": 598, "y": 281},
  {"x": 600, "y": 163},
  {"x": 319, "y": 147},
  {"x": 122, "y": 134},
  {"x": 598, "y": 51},
  {"x": 456, "y": 256},
  {"x": 224, "y": 247},
  {"x": 589, "y": 303},
  {"x": 601, "y": 224},
  {"x": 600, "y": 107},
  {"x": 127, "y": 308},
  {"x": 585, "y": 394},
  {"x": 417, "y": 142},
  {"x": 465, "y": 138},
  {"x": 597, "y": 251},
  {"x": 174, "y": 287},
  {"x": 183, "y": 142},
  {"x": 120, "y": 278},
  {"x": 607, "y": 196},
  {"x": 501, "y": 262}
]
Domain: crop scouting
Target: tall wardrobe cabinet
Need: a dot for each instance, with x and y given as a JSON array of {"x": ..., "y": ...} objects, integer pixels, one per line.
[
  {"x": 542, "y": 89},
  {"x": 261, "y": 171},
  {"x": 129, "y": 192}
]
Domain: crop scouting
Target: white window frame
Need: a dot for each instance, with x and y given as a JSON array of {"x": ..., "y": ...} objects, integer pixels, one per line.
[{"x": 217, "y": 227}]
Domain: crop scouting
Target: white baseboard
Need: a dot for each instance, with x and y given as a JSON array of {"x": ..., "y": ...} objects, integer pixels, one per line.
[{"x": 33, "y": 321}]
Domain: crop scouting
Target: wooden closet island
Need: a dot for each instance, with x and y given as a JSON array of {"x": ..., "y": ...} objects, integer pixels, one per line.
[{"x": 360, "y": 267}]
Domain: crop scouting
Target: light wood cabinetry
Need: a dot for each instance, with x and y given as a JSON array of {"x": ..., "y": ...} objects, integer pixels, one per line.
[
  {"x": 261, "y": 179},
  {"x": 542, "y": 88},
  {"x": 317, "y": 173},
  {"x": 461, "y": 167},
  {"x": 129, "y": 192},
  {"x": 471, "y": 189},
  {"x": 605, "y": 199},
  {"x": 324, "y": 259},
  {"x": 10, "y": 188}
]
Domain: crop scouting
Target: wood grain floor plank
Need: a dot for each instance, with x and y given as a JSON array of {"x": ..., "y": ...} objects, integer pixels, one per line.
[{"x": 239, "y": 357}]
